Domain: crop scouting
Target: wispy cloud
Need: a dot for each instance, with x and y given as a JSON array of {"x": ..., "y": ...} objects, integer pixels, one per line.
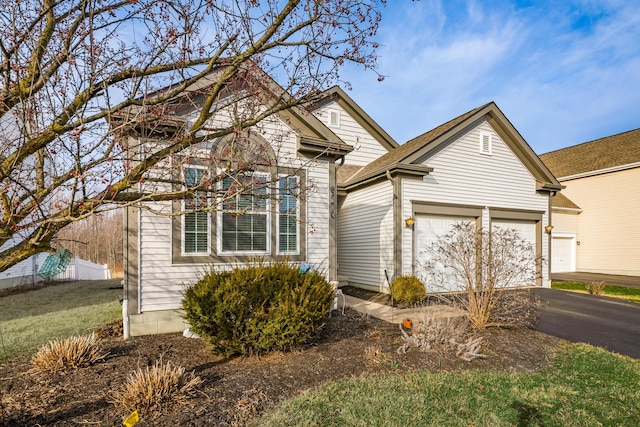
[{"x": 564, "y": 73}]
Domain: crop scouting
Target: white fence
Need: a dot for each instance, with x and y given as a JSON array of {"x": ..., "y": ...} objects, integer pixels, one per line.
[
  {"x": 25, "y": 272},
  {"x": 79, "y": 269}
]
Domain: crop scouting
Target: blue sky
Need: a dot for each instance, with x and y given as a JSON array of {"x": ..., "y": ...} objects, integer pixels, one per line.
[{"x": 563, "y": 72}]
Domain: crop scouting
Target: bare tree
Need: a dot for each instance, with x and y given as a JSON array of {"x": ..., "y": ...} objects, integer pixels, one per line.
[
  {"x": 79, "y": 75},
  {"x": 97, "y": 239},
  {"x": 481, "y": 268}
]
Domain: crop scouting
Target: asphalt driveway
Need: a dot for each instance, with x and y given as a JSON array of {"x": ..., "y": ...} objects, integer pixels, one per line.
[{"x": 604, "y": 322}]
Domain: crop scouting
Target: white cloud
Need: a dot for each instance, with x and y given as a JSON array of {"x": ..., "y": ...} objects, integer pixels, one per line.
[{"x": 564, "y": 73}]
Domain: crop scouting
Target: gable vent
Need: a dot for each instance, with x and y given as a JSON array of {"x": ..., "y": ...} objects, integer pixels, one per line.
[
  {"x": 485, "y": 143},
  {"x": 334, "y": 118}
]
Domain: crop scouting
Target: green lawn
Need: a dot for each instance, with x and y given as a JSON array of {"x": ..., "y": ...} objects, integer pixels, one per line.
[
  {"x": 31, "y": 319},
  {"x": 586, "y": 387},
  {"x": 622, "y": 292}
]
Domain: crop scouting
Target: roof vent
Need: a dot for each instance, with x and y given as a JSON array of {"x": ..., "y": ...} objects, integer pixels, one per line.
[{"x": 485, "y": 143}]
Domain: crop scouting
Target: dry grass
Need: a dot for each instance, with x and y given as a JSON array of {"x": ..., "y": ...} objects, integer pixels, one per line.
[
  {"x": 152, "y": 387},
  {"x": 252, "y": 404},
  {"x": 69, "y": 353},
  {"x": 595, "y": 288}
]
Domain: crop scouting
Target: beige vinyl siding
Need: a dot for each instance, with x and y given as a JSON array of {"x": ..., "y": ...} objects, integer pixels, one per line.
[
  {"x": 608, "y": 227},
  {"x": 366, "y": 147},
  {"x": 464, "y": 176},
  {"x": 365, "y": 235},
  {"x": 564, "y": 222}
]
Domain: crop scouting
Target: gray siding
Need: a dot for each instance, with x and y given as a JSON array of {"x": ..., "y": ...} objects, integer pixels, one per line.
[
  {"x": 464, "y": 176},
  {"x": 365, "y": 235},
  {"x": 366, "y": 147},
  {"x": 162, "y": 283}
]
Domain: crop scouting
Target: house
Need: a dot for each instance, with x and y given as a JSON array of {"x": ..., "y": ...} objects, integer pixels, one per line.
[
  {"x": 475, "y": 167},
  {"x": 595, "y": 221},
  {"x": 359, "y": 188}
]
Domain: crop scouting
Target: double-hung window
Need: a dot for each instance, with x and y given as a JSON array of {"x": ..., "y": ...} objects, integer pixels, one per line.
[
  {"x": 245, "y": 214},
  {"x": 288, "y": 215},
  {"x": 196, "y": 218}
]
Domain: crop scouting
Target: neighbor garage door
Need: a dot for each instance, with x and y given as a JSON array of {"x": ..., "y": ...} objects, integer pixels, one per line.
[
  {"x": 562, "y": 254},
  {"x": 427, "y": 230},
  {"x": 527, "y": 231}
]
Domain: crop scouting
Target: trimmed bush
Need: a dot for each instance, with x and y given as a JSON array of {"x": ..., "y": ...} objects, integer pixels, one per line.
[
  {"x": 408, "y": 289},
  {"x": 257, "y": 308}
]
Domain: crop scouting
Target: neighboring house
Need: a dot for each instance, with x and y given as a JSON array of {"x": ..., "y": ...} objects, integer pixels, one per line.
[
  {"x": 352, "y": 225},
  {"x": 595, "y": 222}
]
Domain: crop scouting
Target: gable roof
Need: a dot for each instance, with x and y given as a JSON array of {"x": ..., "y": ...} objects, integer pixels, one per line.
[
  {"x": 411, "y": 155},
  {"x": 336, "y": 94},
  {"x": 314, "y": 137},
  {"x": 595, "y": 156}
]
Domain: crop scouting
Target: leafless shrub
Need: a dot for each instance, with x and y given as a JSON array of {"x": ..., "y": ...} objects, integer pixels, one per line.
[
  {"x": 475, "y": 267},
  {"x": 516, "y": 307},
  {"x": 595, "y": 288},
  {"x": 152, "y": 387},
  {"x": 470, "y": 349},
  {"x": 70, "y": 353},
  {"x": 430, "y": 332}
]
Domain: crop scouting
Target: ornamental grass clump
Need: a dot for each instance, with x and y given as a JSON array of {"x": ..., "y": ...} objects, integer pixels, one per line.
[
  {"x": 595, "y": 288},
  {"x": 257, "y": 308},
  {"x": 408, "y": 289},
  {"x": 153, "y": 387},
  {"x": 70, "y": 353}
]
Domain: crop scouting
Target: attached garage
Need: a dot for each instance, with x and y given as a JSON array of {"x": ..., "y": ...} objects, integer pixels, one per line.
[{"x": 563, "y": 254}]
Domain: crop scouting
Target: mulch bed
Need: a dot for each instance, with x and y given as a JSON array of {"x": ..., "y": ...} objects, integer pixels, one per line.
[{"x": 238, "y": 389}]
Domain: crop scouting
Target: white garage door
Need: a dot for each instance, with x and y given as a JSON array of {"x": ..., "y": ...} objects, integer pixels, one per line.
[
  {"x": 562, "y": 254},
  {"x": 427, "y": 230},
  {"x": 527, "y": 231}
]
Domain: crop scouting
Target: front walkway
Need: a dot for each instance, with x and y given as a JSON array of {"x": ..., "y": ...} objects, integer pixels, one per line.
[{"x": 396, "y": 315}]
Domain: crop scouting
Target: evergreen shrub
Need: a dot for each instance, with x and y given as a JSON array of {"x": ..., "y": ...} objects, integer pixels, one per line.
[
  {"x": 257, "y": 308},
  {"x": 408, "y": 288}
]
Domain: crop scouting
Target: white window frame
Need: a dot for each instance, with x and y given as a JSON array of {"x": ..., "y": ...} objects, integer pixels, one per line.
[
  {"x": 489, "y": 146},
  {"x": 297, "y": 216},
  {"x": 267, "y": 213},
  {"x": 185, "y": 210}
]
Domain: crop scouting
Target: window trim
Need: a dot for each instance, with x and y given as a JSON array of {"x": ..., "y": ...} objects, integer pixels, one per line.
[
  {"x": 183, "y": 217},
  {"x": 282, "y": 177},
  {"x": 177, "y": 258}
]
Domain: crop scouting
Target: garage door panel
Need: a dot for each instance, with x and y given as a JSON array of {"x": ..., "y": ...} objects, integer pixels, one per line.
[
  {"x": 527, "y": 231},
  {"x": 427, "y": 230}
]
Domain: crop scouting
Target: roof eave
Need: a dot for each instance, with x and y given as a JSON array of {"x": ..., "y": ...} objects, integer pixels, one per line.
[
  {"x": 338, "y": 95},
  {"x": 409, "y": 170},
  {"x": 319, "y": 147}
]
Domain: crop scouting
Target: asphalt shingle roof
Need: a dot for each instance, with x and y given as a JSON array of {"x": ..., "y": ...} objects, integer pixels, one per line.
[
  {"x": 562, "y": 201},
  {"x": 603, "y": 153}
]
